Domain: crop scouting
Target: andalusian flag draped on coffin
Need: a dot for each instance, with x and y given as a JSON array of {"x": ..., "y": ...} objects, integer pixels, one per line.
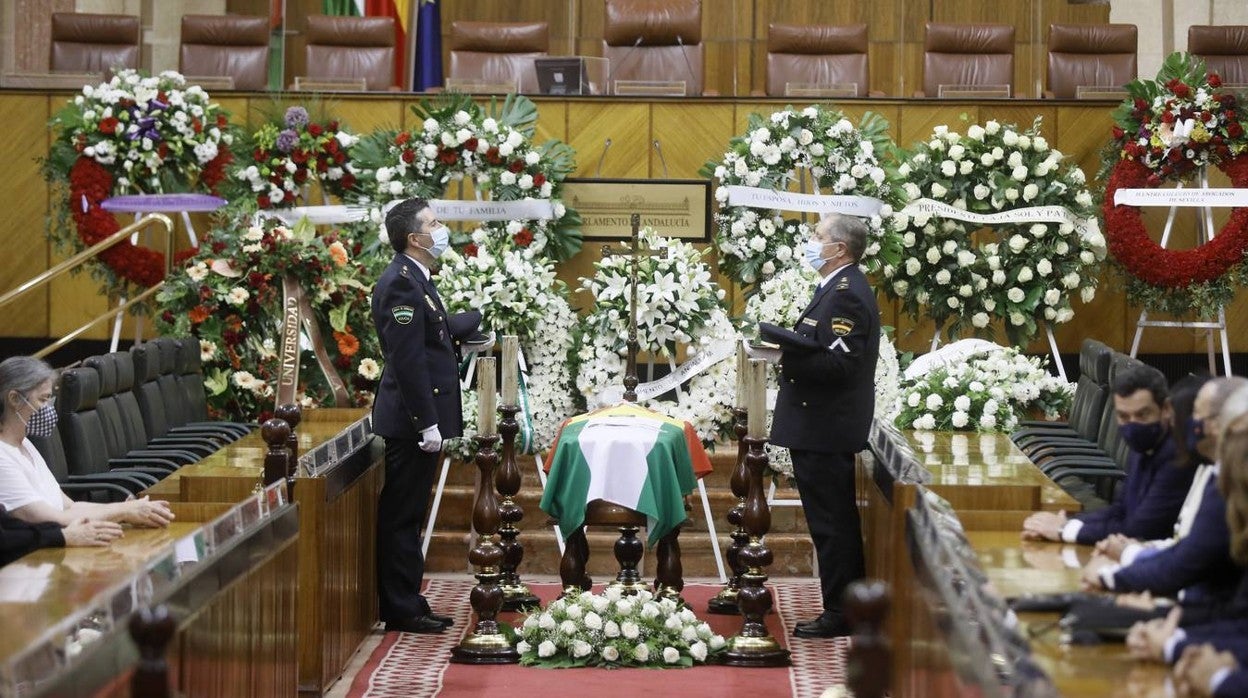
[{"x": 626, "y": 455}]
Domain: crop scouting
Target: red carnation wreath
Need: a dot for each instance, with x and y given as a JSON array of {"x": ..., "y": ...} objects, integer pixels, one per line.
[
  {"x": 90, "y": 183},
  {"x": 1168, "y": 128}
]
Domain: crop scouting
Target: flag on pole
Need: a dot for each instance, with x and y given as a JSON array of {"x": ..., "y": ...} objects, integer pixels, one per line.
[
  {"x": 427, "y": 64},
  {"x": 343, "y": 8},
  {"x": 400, "y": 12}
]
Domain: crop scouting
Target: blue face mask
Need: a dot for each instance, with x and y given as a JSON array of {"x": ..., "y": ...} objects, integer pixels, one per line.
[
  {"x": 1142, "y": 437},
  {"x": 441, "y": 240},
  {"x": 1195, "y": 432},
  {"x": 811, "y": 251}
]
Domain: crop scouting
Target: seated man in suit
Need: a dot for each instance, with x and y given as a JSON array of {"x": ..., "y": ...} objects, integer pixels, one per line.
[
  {"x": 1204, "y": 671},
  {"x": 1155, "y": 486},
  {"x": 1199, "y": 565}
]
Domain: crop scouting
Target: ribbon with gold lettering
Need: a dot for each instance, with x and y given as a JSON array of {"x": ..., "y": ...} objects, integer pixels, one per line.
[{"x": 297, "y": 311}]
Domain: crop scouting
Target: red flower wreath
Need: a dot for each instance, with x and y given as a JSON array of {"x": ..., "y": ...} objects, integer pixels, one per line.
[
  {"x": 89, "y": 185},
  {"x": 1153, "y": 264}
]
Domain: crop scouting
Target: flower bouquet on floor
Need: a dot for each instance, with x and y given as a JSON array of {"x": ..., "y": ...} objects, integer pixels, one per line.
[
  {"x": 989, "y": 392},
  {"x": 614, "y": 630}
]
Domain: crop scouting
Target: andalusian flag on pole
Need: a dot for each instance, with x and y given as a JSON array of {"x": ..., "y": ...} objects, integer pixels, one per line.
[
  {"x": 400, "y": 10},
  {"x": 629, "y": 456}
]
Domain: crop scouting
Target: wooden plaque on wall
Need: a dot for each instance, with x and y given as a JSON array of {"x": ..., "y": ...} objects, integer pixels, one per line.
[{"x": 677, "y": 208}]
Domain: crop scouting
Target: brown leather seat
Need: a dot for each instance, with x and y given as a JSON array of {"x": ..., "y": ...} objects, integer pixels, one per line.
[
  {"x": 498, "y": 52},
  {"x": 92, "y": 43},
  {"x": 816, "y": 54},
  {"x": 350, "y": 48},
  {"x": 1101, "y": 55},
  {"x": 232, "y": 45},
  {"x": 654, "y": 40},
  {"x": 967, "y": 54},
  {"x": 1224, "y": 50}
]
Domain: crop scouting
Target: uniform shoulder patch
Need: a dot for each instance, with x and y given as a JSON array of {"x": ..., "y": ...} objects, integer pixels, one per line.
[
  {"x": 842, "y": 284},
  {"x": 402, "y": 313},
  {"x": 842, "y": 326}
]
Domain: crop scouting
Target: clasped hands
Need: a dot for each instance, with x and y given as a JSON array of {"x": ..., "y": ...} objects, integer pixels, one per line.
[{"x": 1044, "y": 525}]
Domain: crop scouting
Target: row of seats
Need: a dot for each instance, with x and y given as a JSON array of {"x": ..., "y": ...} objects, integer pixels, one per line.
[
  {"x": 641, "y": 41},
  {"x": 1086, "y": 456},
  {"x": 127, "y": 419}
]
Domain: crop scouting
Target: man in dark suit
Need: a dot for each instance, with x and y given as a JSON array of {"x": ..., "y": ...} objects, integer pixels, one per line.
[
  {"x": 825, "y": 406},
  {"x": 1155, "y": 486},
  {"x": 417, "y": 406}
]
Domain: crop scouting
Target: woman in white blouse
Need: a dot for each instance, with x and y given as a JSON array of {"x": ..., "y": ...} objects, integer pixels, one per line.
[{"x": 28, "y": 490}]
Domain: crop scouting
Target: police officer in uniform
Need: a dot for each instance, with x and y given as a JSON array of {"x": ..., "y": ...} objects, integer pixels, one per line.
[
  {"x": 824, "y": 409},
  {"x": 417, "y": 406}
]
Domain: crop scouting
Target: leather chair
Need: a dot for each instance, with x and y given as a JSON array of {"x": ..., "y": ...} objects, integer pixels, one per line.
[
  {"x": 654, "y": 40},
  {"x": 176, "y": 408},
  {"x": 350, "y": 48},
  {"x": 816, "y": 54},
  {"x": 188, "y": 370},
  {"x": 126, "y": 438},
  {"x": 1100, "y": 55},
  {"x": 967, "y": 54},
  {"x": 232, "y": 45},
  {"x": 157, "y": 421},
  {"x": 498, "y": 52},
  {"x": 92, "y": 43},
  {"x": 133, "y": 420},
  {"x": 82, "y": 431},
  {"x": 109, "y": 487},
  {"x": 1223, "y": 49},
  {"x": 1091, "y": 392}
]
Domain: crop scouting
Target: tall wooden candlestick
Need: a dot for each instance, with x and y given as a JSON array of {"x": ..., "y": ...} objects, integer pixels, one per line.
[
  {"x": 487, "y": 400},
  {"x": 486, "y": 645},
  {"x": 725, "y": 602},
  {"x": 516, "y": 594},
  {"x": 754, "y": 645},
  {"x": 511, "y": 369}
]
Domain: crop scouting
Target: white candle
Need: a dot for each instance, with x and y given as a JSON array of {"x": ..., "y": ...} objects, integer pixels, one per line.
[
  {"x": 511, "y": 369},
  {"x": 742, "y": 368},
  {"x": 756, "y": 399},
  {"x": 486, "y": 399}
]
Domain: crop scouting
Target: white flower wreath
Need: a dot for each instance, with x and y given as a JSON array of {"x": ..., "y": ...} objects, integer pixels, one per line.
[
  {"x": 780, "y": 300},
  {"x": 1029, "y": 271},
  {"x": 842, "y": 158},
  {"x": 494, "y": 152},
  {"x": 518, "y": 293},
  {"x": 678, "y": 305}
]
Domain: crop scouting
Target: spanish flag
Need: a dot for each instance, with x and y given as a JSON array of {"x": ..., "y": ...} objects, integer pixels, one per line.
[{"x": 399, "y": 10}]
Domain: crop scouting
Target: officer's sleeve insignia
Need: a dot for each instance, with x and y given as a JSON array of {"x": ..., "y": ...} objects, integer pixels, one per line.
[
  {"x": 402, "y": 313},
  {"x": 842, "y": 284},
  {"x": 842, "y": 326}
]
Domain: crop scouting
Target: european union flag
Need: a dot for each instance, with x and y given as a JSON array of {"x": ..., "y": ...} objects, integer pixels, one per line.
[{"x": 427, "y": 71}]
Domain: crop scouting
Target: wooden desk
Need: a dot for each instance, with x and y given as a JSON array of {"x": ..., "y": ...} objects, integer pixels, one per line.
[
  {"x": 337, "y": 601},
  {"x": 233, "y": 601},
  {"x": 1015, "y": 567}
]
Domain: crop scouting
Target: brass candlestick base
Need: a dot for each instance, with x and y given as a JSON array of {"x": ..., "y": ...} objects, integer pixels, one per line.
[
  {"x": 726, "y": 601},
  {"x": 485, "y": 644},
  {"x": 754, "y": 646},
  {"x": 516, "y": 594}
]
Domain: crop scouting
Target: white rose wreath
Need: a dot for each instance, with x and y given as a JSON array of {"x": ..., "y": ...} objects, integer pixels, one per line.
[
  {"x": 842, "y": 158},
  {"x": 679, "y": 305},
  {"x": 780, "y": 300},
  {"x": 1029, "y": 270}
]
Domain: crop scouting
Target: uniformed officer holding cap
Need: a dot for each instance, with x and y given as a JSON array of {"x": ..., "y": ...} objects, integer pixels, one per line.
[
  {"x": 825, "y": 405},
  {"x": 417, "y": 406}
]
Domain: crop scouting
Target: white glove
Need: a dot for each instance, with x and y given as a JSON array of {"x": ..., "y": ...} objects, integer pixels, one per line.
[
  {"x": 431, "y": 440},
  {"x": 769, "y": 354}
]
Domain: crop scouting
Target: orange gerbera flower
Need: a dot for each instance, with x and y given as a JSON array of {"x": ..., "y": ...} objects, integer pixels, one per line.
[
  {"x": 198, "y": 314},
  {"x": 338, "y": 253},
  {"x": 348, "y": 345}
]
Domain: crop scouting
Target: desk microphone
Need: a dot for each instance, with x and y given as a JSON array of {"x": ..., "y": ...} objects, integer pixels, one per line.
[
  {"x": 689, "y": 66},
  {"x": 611, "y": 71},
  {"x": 659, "y": 149},
  {"x": 605, "y": 147}
]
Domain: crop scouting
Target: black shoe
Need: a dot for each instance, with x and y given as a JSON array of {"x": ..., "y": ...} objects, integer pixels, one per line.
[
  {"x": 446, "y": 621},
  {"x": 823, "y": 626},
  {"x": 420, "y": 624}
]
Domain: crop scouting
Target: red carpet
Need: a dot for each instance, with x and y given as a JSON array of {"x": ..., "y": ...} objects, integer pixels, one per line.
[{"x": 418, "y": 665}]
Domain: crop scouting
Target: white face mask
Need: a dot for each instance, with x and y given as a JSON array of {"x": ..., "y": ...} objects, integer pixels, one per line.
[
  {"x": 811, "y": 252},
  {"x": 441, "y": 240}
]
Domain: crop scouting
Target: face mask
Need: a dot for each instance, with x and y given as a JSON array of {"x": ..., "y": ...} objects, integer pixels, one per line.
[
  {"x": 1142, "y": 437},
  {"x": 42, "y": 421},
  {"x": 1195, "y": 432},
  {"x": 811, "y": 251},
  {"x": 441, "y": 241}
]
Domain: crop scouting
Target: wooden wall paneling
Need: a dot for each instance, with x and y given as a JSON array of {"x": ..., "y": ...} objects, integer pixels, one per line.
[
  {"x": 590, "y": 18},
  {"x": 627, "y": 124},
  {"x": 297, "y": 13},
  {"x": 22, "y": 230},
  {"x": 552, "y": 122},
  {"x": 689, "y": 135},
  {"x": 367, "y": 115},
  {"x": 312, "y": 610}
]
